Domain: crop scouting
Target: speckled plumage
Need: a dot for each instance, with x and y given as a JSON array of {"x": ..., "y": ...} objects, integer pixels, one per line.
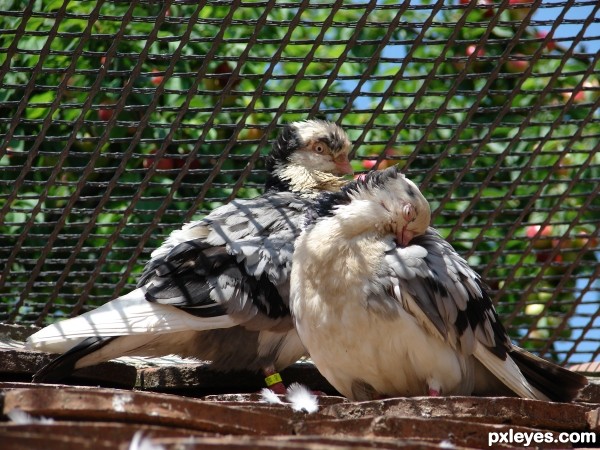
[
  {"x": 381, "y": 318},
  {"x": 217, "y": 289}
]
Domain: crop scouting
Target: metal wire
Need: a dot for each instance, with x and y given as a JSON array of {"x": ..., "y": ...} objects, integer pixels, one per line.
[{"x": 121, "y": 120}]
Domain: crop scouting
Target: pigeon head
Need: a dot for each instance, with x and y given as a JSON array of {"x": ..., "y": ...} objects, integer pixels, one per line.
[
  {"x": 384, "y": 202},
  {"x": 310, "y": 155}
]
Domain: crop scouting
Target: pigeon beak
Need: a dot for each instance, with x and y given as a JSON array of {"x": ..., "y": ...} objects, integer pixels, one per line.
[
  {"x": 404, "y": 236},
  {"x": 343, "y": 166}
]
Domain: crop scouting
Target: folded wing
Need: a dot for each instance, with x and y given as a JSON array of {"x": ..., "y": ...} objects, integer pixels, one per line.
[{"x": 449, "y": 298}]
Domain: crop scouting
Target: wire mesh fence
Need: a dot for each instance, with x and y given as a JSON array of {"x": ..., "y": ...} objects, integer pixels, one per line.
[{"x": 121, "y": 120}]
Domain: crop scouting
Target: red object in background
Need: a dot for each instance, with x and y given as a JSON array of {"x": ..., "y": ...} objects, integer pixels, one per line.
[
  {"x": 518, "y": 65},
  {"x": 156, "y": 79},
  {"x": 164, "y": 163},
  {"x": 551, "y": 43},
  {"x": 370, "y": 163},
  {"x": 105, "y": 114}
]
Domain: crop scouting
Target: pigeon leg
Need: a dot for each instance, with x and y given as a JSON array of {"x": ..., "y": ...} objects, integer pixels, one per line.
[
  {"x": 433, "y": 388},
  {"x": 273, "y": 380}
]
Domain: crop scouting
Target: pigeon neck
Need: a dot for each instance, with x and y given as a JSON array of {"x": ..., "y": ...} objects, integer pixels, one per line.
[{"x": 298, "y": 178}]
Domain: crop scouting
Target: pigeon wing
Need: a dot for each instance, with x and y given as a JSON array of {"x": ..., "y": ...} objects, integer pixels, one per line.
[
  {"x": 449, "y": 298},
  {"x": 235, "y": 262}
]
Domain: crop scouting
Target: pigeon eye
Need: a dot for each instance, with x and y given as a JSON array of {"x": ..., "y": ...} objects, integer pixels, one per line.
[
  {"x": 409, "y": 213},
  {"x": 319, "y": 149}
]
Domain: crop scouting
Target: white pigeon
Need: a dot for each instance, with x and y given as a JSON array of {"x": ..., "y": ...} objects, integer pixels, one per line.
[
  {"x": 217, "y": 289},
  {"x": 386, "y": 307}
]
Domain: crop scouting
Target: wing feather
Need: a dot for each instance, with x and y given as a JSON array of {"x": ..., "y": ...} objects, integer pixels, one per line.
[
  {"x": 450, "y": 293},
  {"x": 449, "y": 298},
  {"x": 235, "y": 262}
]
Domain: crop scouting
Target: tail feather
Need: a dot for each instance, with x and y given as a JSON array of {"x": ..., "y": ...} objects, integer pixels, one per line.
[
  {"x": 62, "y": 366},
  {"x": 508, "y": 372},
  {"x": 557, "y": 383},
  {"x": 128, "y": 325},
  {"x": 117, "y": 317},
  {"x": 95, "y": 350},
  {"x": 128, "y": 315}
]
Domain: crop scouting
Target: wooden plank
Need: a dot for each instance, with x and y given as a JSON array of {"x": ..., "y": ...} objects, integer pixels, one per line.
[
  {"x": 495, "y": 410},
  {"x": 428, "y": 430},
  {"x": 141, "y": 407},
  {"x": 74, "y": 435}
]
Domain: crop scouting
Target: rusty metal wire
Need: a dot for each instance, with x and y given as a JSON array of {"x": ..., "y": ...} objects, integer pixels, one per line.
[{"x": 121, "y": 120}]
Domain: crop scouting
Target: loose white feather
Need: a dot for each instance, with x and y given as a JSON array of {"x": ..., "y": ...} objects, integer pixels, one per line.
[
  {"x": 268, "y": 396},
  {"x": 20, "y": 417},
  {"x": 141, "y": 442},
  {"x": 302, "y": 399}
]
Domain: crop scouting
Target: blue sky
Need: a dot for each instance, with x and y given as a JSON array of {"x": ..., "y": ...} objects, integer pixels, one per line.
[{"x": 548, "y": 11}]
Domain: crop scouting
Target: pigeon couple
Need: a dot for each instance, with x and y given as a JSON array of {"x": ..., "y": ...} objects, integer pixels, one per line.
[{"x": 348, "y": 272}]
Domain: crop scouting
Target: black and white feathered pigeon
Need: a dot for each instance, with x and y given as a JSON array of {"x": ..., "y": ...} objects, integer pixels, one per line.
[
  {"x": 217, "y": 289},
  {"x": 386, "y": 307}
]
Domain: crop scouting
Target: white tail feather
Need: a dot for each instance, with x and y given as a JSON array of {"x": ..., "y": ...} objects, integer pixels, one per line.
[
  {"x": 130, "y": 314},
  {"x": 508, "y": 373}
]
